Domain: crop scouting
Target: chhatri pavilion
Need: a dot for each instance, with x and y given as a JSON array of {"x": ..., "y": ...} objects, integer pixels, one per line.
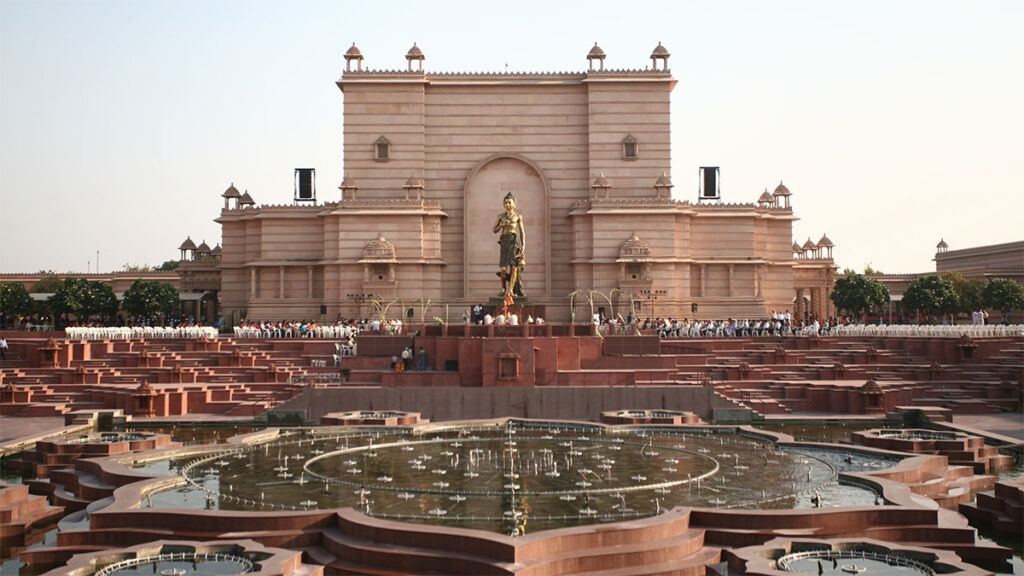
[{"x": 428, "y": 158}]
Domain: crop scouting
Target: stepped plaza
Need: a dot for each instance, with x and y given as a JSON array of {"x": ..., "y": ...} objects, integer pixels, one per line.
[
  {"x": 543, "y": 446},
  {"x": 931, "y": 406}
]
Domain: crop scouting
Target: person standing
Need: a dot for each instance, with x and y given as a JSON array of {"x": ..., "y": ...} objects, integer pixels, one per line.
[
  {"x": 407, "y": 358},
  {"x": 3, "y": 348},
  {"x": 421, "y": 359}
]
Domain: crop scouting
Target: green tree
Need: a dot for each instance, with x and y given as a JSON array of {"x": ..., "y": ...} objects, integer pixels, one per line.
[
  {"x": 150, "y": 298},
  {"x": 14, "y": 300},
  {"x": 1004, "y": 295},
  {"x": 83, "y": 298},
  {"x": 136, "y": 268},
  {"x": 169, "y": 266},
  {"x": 969, "y": 293},
  {"x": 870, "y": 270},
  {"x": 931, "y": 295},
  {"x": 47, "y": 284},
  {"x": 856, "y": 294}
]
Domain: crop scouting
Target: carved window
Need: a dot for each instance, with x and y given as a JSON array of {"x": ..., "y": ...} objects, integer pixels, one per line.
[
  {"x": 382, "y": 149},
  {"x": 630, "y": 148},
  {"x": 381, "y": 272},
  {"x": 508, "y": 367}
]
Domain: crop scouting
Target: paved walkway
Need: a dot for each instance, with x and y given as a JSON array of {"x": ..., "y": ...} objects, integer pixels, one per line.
[
  {"x": 18, "y": 433},
  {"x": 1010, "y": 425}
]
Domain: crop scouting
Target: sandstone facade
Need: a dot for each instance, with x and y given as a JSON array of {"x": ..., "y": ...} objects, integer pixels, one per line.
[{"x": 428, "y": 158}]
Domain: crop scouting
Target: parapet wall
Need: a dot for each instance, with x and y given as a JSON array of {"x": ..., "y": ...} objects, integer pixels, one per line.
[{"x": 458, "y": 403}]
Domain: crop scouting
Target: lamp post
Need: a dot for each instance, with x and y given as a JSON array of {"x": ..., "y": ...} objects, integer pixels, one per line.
[
  {"x": 652, "y": 299},
  {"x": 611, "y": 307},
  {"x": 359, "y": 299},
  {"x": 572, "y": 306},
  {"x": 610, "y": 303}
]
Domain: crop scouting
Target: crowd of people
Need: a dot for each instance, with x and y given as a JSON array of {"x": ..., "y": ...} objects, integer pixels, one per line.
[
  {"x": 778, "y": 324},
  {"x": 404, "y": 363},
  {"x": 478, "y": 315},
  {"x": 297, "y": 329},
  {"x": 670, "y": 328}
]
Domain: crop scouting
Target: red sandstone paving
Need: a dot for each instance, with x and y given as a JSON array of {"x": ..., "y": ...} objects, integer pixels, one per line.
[
  {"x": 12, "y": 429},
  {"x": 1011, "y": 425}
]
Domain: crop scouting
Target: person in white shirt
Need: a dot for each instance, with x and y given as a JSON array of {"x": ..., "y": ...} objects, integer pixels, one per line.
[{"x": 488, "y": 319}]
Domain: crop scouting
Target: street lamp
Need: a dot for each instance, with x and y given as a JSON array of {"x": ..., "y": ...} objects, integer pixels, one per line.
[
  {"x": 611, "y": 306},
  {"x": 610, "y": 303},
  {"x": 359, "y": 299},
  {"x": 652, "y": 298},
  {"x": 572, "y": 306}
]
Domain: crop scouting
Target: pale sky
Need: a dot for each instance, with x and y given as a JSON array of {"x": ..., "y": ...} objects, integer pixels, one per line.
[{"x": 893, "y": 123}]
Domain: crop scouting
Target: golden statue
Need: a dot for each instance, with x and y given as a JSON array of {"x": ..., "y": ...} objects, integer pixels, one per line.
[{"x": 513, "y": 247}]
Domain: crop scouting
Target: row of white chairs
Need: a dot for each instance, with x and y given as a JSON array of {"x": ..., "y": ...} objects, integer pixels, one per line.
[
  {"x": 942, "y": 331},
  {"x": 135, "y": 332},
  {"x": 327, "y": 331}
]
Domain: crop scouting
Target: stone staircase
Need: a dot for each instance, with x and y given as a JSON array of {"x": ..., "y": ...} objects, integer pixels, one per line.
[
  {"x": 22, "y": 514},
  {"x": 792, "y": 375},
  {"x": 241, "y": 378},
  {"x": 661, "y": 545},
  {"x": 1002, "y": 507}
]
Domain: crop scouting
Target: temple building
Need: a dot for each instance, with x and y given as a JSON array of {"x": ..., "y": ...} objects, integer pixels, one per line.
[{"x": 428, "y": 158}]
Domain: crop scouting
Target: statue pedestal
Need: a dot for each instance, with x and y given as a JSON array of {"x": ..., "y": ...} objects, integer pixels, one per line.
[{"x": 498, "y": 302}]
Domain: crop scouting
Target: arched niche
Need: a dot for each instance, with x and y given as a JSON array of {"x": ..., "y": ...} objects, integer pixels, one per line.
[{"x": 486, "y": 187}]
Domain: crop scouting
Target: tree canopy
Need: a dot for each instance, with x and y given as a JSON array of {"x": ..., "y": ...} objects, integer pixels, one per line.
[
  {"x": 968, "y": 292},
  {"x": 150, "y": 298},
  {"x": 14, "y": 299},
  {"x": 856, "y": 294},
  {"x": 1004, "y": 295},
  {"x": 47, "y": 284},
  {"x": 83, "y": 298},
  {"x": 931, "y": 295}
]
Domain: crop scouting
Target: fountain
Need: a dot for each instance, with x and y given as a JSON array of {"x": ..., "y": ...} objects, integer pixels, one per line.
[{"x": 509, "y": 475}]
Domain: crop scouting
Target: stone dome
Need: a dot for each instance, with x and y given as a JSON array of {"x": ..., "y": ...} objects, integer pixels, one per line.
[
  {"x": 781, "y": 190},
  {"x": 348, "y": 183},
  {"x": 246, "y": 200},
  {"x": 596, "y": 52},
  {"x": 660, "y": 51},
  {"x": 379, "y": 249},
  {"x": 809, "y": 245},
  {"x": 353, "y": 52},
  {"x": 414, "y": 53},
  {"x": 663, "y": 181},
  {"x": 203, "y": 248},
  {"x": 825, "y": 242},
  {"x": 765, "y": 198},
  {"x": 188, "y": 244},
  {"x": 634, "y": 249},
  {"x": 231, "y": 192}
]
